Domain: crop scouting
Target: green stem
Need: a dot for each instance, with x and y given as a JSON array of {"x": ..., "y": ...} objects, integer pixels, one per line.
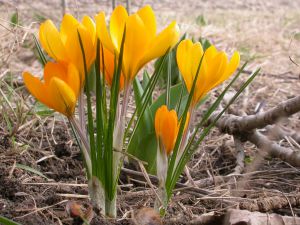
[
  {"x": 81, "y": 112},
  {"x": 85, "y": 145}
]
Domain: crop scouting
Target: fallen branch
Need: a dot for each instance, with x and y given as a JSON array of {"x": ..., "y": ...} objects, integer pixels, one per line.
[
  {"x": 271, "y": 203},
  {"x": 233, "y": 124}
]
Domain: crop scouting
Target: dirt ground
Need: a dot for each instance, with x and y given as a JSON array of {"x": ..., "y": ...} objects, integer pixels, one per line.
[{"x": 266, "y": 33}]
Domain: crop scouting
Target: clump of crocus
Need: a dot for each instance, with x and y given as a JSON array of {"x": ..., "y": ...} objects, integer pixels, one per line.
[
  {"x": 64, "y": 45},
  {"x": 214, "y": 69},
  {"x": 141, "y": 44},
  {"x": 60, "y": 88}
]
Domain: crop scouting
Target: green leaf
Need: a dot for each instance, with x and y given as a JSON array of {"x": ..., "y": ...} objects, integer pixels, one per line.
[
  {"x": 14, "y": 19},
  {"x": 181, "y": 129},
  {"x": 205, "y": 43},
  {"x": 145, "y": 101},
  {"x": 42, "y": 57},
  {"x": 30, "y": 169},
  {"x": 169, "y": 73},
  {"x": 42, "y": 110},
  {"x": 6, "y": 221},
  {"x": 110, "y": 180},
  {"x": 89, "y": 110},
  {"x": 146, "y": 79},
  {"x": 175, "y": 73},
  {"x": 174, "y": 98},
  {"x": 200, "y": 20}
]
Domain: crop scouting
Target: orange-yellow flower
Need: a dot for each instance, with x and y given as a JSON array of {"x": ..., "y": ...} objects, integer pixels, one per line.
[
  {"x": 166, "y": 127},
  {"x": 60, "y": 87},
  {"x": 142, "y": 43},
  {"x": 64, "y": 45},
  {"x": 215, "y": 67}
]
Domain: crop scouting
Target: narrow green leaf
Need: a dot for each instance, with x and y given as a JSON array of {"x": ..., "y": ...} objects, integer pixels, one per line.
[
  {"x": 110, "y": 186},
  {"x": 30, "y": 169},
  {"x": 147, "y": 94},
  {"x": 146, "y": 79},
  {"x": 42, "y": 56},
  {"x": 14, "y": 19},
  {"x": 99, "y": 114},
  {"x": 89, "y": 110},
  {"x": 182, "y": 124},
  {"x": 169, "y": 79},
  {"x": 6, "y": 221}
]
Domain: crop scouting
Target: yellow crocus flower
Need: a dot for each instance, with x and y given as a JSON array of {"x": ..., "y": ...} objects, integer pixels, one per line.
[
  {"x": 142, "y": 43},
  {"x": 64, "y": 45},
  {"x": 215, "y": 67},
  {"x": 60, "y": 87},
  {"x": 166, "y": 127}
]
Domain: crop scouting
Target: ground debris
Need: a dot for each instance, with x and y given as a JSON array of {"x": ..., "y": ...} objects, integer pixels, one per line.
[{"x": 244, "y": 217}]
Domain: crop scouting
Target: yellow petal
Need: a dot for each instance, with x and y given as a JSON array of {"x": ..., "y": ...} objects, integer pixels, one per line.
[
  {"x": 67, "y": 26},
  {"x": 188, "y": 56},
  {"x": 51, "y": 41},
  {"x": 88, "y": 46},
  {"x": 134, "y": 46},
  {"x": 102, "y": 32},
  {"x": 117, "y": 23},
  {"x": 233, "y": 64},
  {"x": 90, "y": 26},
  {"x": 217, "y": 67},
  {"x": 37, "y": 89},
  {"x": 73, "y": 79},
  {"x": 54, "y": 69},
  {"x": 161, "y": 43},
  {"x": 65, "y": 99},
  {"x": 210, "y": 53},
  {"x": 147, "y": 15},
  {"x": 69, "y": 34}
]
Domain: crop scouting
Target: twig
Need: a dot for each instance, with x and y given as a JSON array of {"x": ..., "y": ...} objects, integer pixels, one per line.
[
  {"x": 285, "y": 154},
  {"x": 240, "y": 156}
]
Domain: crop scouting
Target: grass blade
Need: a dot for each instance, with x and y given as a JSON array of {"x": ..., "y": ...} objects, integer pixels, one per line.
[
  {"x": 6, "y": 221},
  {"x": 30, "y": 169}
]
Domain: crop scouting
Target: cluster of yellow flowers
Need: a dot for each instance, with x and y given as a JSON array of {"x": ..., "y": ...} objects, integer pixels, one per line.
[{"x": 64, "y": 78}]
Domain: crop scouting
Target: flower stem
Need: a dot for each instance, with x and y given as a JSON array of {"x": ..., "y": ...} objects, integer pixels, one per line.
[{"x": 85, "y": 148}]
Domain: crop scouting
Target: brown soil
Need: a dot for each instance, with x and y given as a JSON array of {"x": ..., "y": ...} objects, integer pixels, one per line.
[{"x": 262, "y": 32}]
